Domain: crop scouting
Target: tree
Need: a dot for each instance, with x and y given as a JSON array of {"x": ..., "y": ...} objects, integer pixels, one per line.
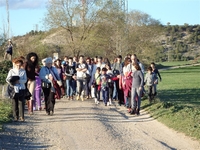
[
  {"x": 76, "y": 18},
  {"x": 144, "y": 33}
]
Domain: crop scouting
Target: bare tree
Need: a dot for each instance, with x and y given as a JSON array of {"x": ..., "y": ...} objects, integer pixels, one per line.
[{"x": 76, "y": 17}]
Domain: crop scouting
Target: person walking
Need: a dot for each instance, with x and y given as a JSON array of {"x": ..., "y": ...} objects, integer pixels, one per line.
[
  {"x": 81, "y": 76},
  {"x": 136, "y": 90},
  {"x": 70, "y": 78},
  {"x": 9, "y": 50},
  {"x": 30, "y": 65},
  {"x": 157, "y": 73},
  {"x": 150, "y": 80},
  {"x": 18, "y": 102},
  {"x": 38, "y": 90},
  {"x": 49, "y": 76}
]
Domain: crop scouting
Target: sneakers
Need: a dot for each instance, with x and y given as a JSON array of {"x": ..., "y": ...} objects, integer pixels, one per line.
[
  {"x": 71, "y": 98},
  {"x": 96, "y": 101},
  {"x": 108, "y": 104},
  {"x": 21, "y": 119},
  {"x": 82, "y": 98},
  {"x": 78, "y": 97}
]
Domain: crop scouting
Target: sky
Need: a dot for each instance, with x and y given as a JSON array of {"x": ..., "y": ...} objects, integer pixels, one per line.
[{"x": 25, "y": 15}]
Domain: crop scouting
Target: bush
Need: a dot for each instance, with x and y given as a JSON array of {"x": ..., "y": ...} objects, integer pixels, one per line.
[{"x": 5, "y": 66}]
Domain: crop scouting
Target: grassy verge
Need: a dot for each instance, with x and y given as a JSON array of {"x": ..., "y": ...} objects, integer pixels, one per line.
[
  {"x": 5, "y": 112},
  {"x": 175, "y": 63},
  {"x": 178, "y": 101}
]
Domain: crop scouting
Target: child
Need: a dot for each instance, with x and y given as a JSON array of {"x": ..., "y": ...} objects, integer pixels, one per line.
[
  {"x": 38, "y": 90},
  {"x": 110, "y": 83},
  {"x": 97, "y": 85},
  {"x": 104, "y": 86},
  {"x": 150, "y": 80}
]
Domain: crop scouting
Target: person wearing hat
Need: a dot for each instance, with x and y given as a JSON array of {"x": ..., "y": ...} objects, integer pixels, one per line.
[
  {"x": 49, "y": 75},
  {"x": 17, "y": 102},
  {"x": 9, "y": 50}
]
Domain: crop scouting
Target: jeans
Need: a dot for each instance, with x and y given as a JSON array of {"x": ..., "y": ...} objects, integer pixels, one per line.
[
  {"x": 69, "y": 89},
  {"x": 115, "y": 95},
  {"x": 105, "y": 96},
  {"x": 135, "y": 97},
  {"x": 87, "y": 88},
  {"x": 80, "y": 86}
]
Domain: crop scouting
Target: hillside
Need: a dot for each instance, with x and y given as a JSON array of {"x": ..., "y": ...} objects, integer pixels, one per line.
[{"x": 172, "y": 43}]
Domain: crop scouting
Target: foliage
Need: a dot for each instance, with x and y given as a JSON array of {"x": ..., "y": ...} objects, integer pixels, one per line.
[
  {"x": 5, "y": 112},
  {"x": 178, "y": 98},
  {"x": 4, "y": 69}
]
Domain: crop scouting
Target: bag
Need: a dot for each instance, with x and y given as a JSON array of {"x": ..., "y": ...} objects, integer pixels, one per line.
[
  {"x": 27, "y": 94},
  {"x": 116, "y": 72},
  {"x": 46, "y": 85},
  {"x": 64, "y": 77},
  {"x": 86, "y": 76}
]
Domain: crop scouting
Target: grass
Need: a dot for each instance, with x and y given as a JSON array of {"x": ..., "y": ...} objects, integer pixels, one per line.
[
  {"x": 178, "y": 101},
  {"x": 5, "y": 112},
  {"x": 175, "y": 63}
]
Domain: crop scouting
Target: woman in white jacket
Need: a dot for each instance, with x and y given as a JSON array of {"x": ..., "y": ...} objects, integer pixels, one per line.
[{"x": 18, "y": 102}]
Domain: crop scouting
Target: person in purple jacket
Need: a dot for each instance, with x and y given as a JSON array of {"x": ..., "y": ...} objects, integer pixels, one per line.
[{"x": 38, "y": 90}]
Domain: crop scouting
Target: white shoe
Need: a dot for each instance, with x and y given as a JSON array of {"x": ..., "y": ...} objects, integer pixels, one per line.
[
  {"x": 108, "y": 104},
  {"x": 95, "y": 100}
]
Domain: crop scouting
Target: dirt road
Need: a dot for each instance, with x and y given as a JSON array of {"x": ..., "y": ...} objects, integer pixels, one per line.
[{"x": 84, "y": 125}]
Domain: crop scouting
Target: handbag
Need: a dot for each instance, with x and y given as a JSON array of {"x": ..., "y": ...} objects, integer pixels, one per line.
[
  {"x": 27, "y": 94},
  {"x": 46, "y": 85},
  {"x": 86, "y": 76}
]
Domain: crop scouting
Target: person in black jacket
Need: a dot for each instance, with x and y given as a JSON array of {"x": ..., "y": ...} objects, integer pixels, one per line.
[
  {"x": 70, "y": 79},
  {"x": 30, "y": 65}
]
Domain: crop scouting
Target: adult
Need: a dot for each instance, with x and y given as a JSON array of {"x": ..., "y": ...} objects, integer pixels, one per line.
[
  {"x": 70, "y": 79},
  {"x": 81, "y": 68},
  {"x": 117, "y": 69},
  {"x": 30, "y": 65},
  {"x": 57, "y": 65},
  {"x": 135, "y": 60},
  {"x": 99, "y": 64},
  {"x": 49, "y": 76},
  {"x": 126, "y": 82},
  {"x": 107, "y": 62},
  {"x": 9, "y": 50},
  {"x": 136, "y": 90},
  {"x": 18, "y": 102},
  {"x": 89, "y": 79}
]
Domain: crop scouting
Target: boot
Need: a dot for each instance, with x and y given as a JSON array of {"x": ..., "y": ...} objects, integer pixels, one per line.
[
  {"x": 27, "y": 103},
  {"x": 133, "y": 111},
  {"x": 30, "y": 107},
  {"x": 138, "y": 111}
]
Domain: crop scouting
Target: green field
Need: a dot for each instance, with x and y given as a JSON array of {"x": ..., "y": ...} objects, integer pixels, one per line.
[
  {"x": 178, "y": 102},
  {"x": 175, "y": 63}
]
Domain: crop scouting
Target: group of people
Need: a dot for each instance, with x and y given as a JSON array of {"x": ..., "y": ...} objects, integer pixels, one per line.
[{"x": 80, "y": 79}]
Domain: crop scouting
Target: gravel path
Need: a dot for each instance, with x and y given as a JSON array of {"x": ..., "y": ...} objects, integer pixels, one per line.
[{"x": 84, "y": 125}]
